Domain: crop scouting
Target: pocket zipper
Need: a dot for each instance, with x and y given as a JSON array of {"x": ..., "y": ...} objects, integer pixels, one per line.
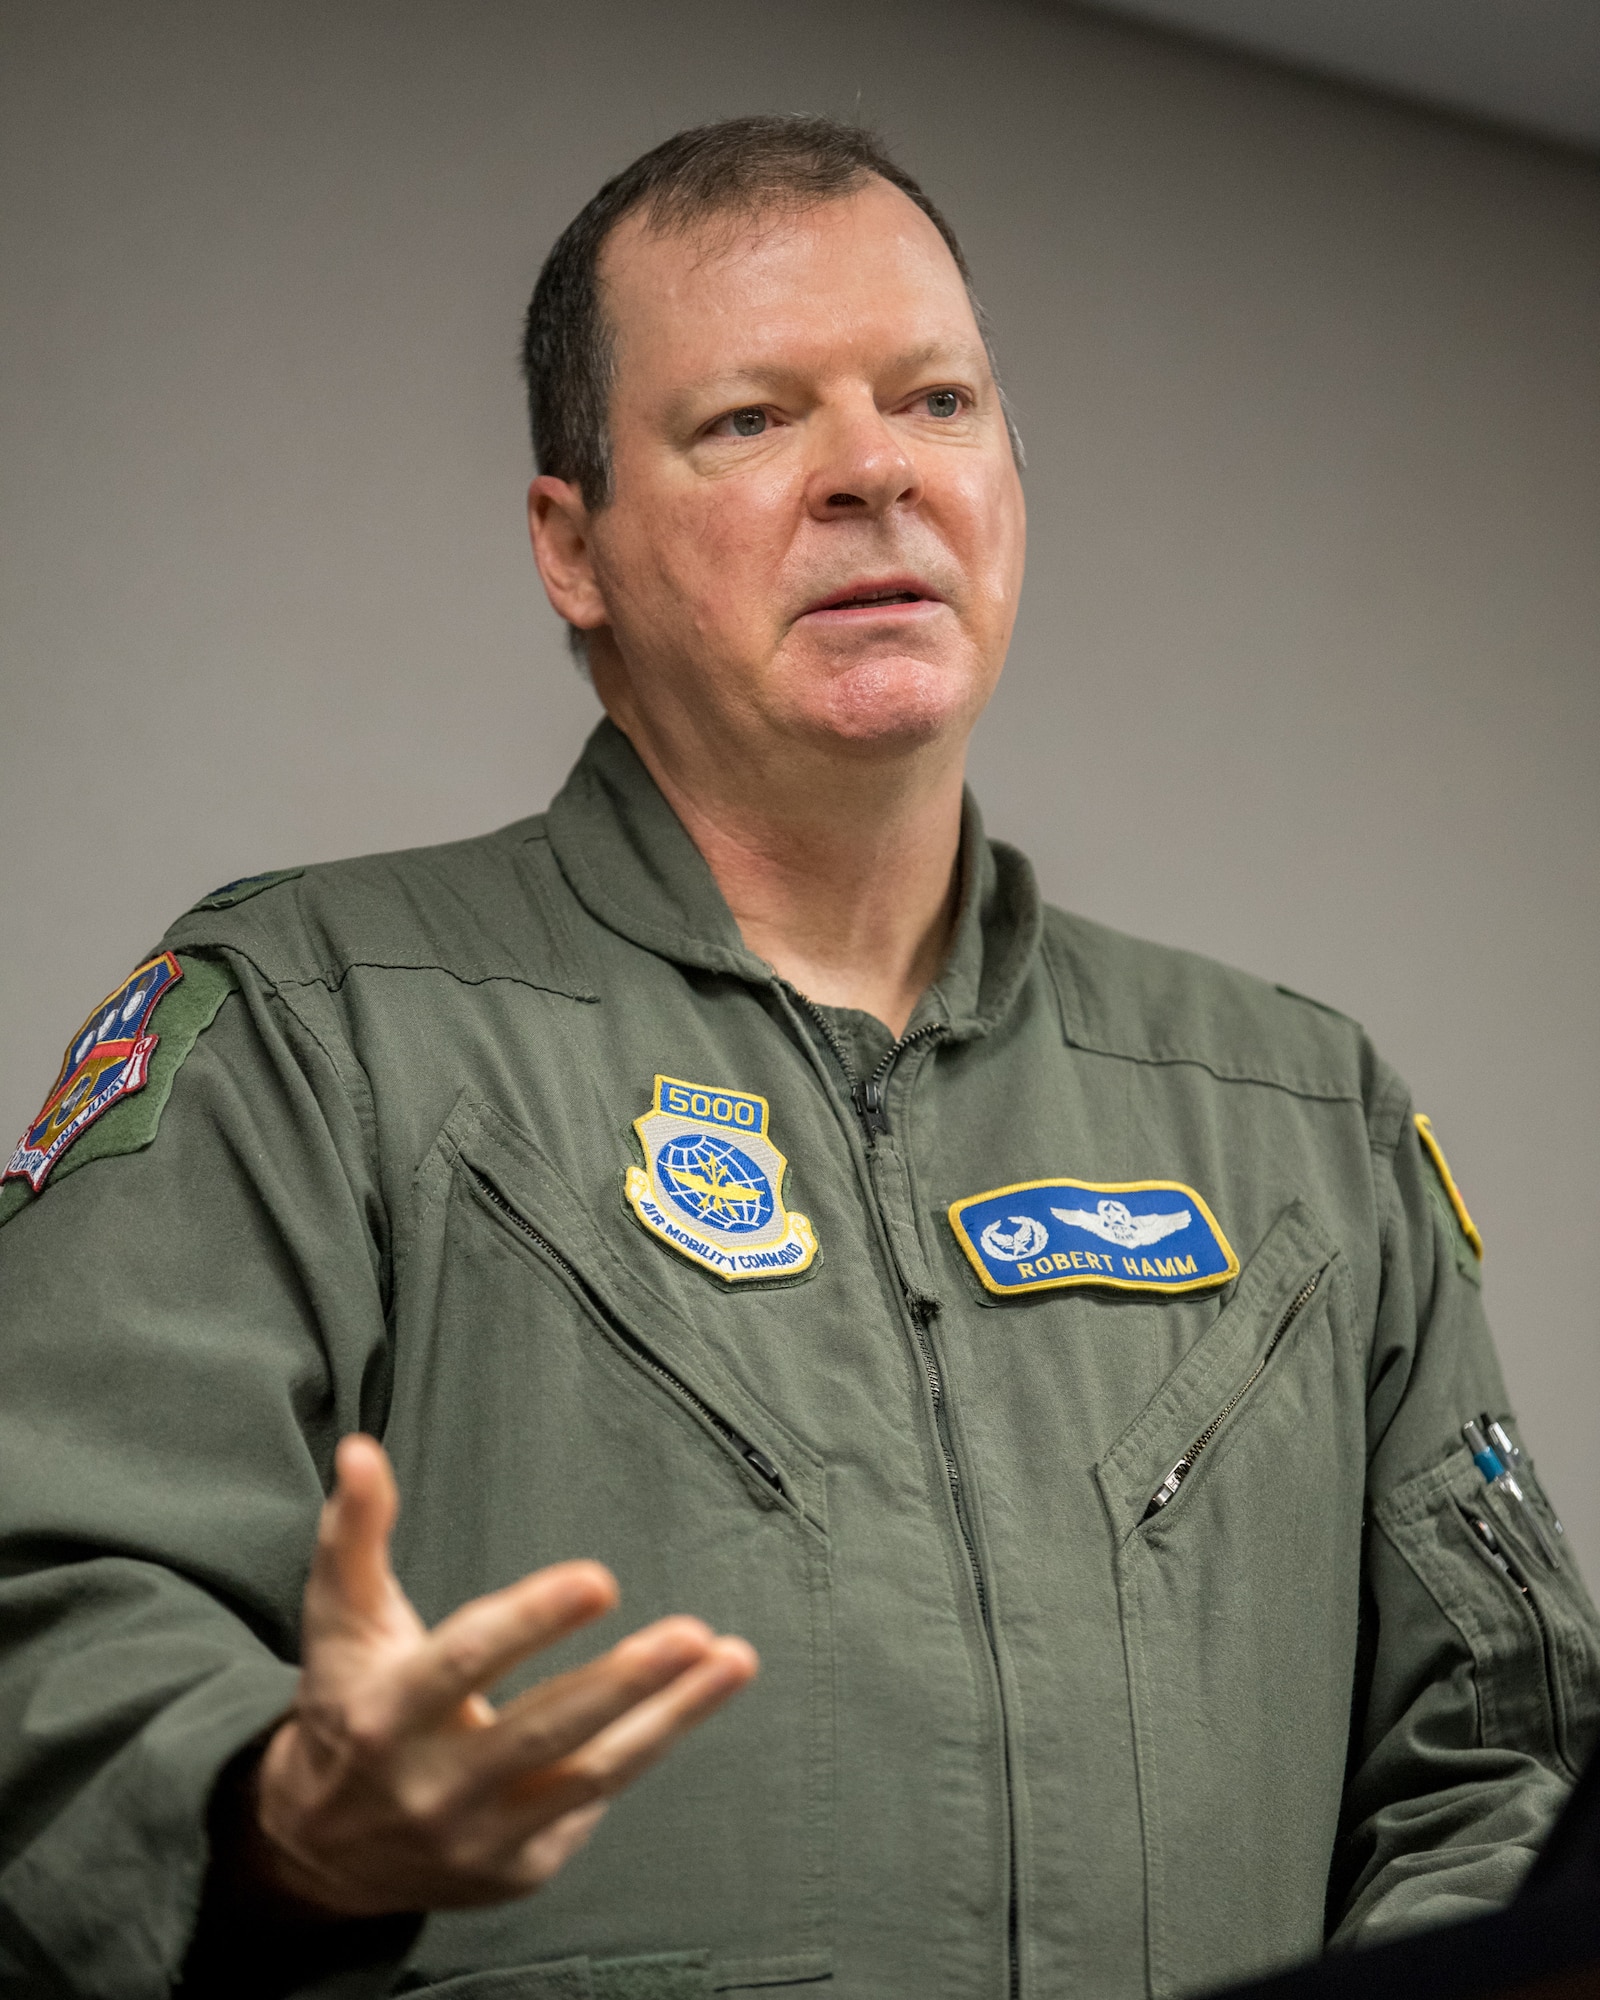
[
  {"x": 756, "y": 1459},
  {"x": 1186, "y": 1464},
  {"x": 1498, "y": 1556}
]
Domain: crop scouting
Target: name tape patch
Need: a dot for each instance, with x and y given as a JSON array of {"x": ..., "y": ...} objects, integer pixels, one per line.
[
  {"x": 1135, "y": 1236},
  {"x": 711, "y": 1186},
  {"x": 107, "y": 1059}
]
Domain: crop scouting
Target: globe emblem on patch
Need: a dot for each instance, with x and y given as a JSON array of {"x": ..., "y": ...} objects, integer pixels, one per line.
[
  {"x": 1014, "y": 1237},
  {"x": 714, "y": 1183}
]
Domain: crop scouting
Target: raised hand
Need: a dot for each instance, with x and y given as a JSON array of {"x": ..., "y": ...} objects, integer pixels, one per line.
[{"x": 395, "y": 1785}]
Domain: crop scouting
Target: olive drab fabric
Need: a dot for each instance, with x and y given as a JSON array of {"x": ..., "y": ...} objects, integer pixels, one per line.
[{"x": 437, "y": 1169}]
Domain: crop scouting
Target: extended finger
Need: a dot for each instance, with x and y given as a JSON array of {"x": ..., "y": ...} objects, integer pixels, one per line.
[
  {"x": 350, "y": 1571},
  {"x": 562, "y": 1714},
  {"x": 472, "y": 1648},
  {"x": 552, "y": 1847},
  {"x": 641, "y": 1736}
]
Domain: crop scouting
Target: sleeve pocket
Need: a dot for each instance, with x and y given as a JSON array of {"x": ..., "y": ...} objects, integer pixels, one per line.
[{"x": 1531, "y": 1630}]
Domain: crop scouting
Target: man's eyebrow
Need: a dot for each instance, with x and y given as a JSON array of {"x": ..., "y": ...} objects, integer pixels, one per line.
[
  {"x": 953, "y": 352},
  {"x": 756, "y": 376}
]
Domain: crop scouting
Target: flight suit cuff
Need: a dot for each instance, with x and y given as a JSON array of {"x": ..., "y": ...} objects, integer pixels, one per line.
[
  {"x": 252, "y": 1942},
  {"x": 109, "y": 1895}
]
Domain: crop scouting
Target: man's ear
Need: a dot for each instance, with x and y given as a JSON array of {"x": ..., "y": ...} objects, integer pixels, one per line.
[{"x": 558, "y": 527}]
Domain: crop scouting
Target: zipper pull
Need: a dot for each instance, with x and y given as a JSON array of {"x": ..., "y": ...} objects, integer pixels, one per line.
[
  {"x": 1185, "y": 1465},
  {"x": 1168, "y": 1487},
  {"x": 868, "y": 1099},
  {"x": 759, "y": 1462}
]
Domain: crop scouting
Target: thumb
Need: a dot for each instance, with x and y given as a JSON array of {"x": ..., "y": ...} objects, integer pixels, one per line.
[{"x": 351, "y": 1581}]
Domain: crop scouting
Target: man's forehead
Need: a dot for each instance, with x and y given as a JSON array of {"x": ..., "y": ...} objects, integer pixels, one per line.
[
  {"x": 732, "y": 234},
  {"x": 788, "y": 271}
]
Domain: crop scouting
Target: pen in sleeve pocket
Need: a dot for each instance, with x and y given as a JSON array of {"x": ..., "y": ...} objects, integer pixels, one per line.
[
  {"x": 1487, "y": 1543},
  {"x": 1511, "y": 1452},
  {"x": 1498, "y": 1480}
]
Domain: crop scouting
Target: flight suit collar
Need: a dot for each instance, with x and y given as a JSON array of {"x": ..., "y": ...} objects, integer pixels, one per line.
[{"x": 632, "y": 865}]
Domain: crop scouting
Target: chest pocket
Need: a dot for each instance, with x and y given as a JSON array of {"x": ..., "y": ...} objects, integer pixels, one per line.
[
  {"x": 547, "y": 1404},
  {"x": 1235, "y": 1498}
]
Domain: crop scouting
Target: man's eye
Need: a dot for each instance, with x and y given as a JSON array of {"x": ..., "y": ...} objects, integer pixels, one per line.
[
  {"x": 943, "y": 403},
  {"x": 748, "y": 423}
]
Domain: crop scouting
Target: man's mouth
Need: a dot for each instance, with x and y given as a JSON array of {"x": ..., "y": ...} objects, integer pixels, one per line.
[{"x": 875, "y": 596}]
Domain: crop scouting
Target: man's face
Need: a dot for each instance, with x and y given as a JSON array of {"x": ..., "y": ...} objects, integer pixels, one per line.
[{"x": 817, "y": 527}]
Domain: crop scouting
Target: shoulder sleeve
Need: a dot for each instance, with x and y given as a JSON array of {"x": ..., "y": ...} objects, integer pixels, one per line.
[
  {"x": 187, "y": 1325},
  {"x": 1479, "y": 1693}
]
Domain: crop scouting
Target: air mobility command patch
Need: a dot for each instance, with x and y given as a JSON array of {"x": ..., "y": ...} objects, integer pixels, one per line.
[
  {"x": 712, "y": 1183},
  {"x": 1134, "y": 1236},
  {"x": 114, "y": 1078}
]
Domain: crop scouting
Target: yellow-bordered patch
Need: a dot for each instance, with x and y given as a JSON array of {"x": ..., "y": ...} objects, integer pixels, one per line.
[{"x": 1134, "y": 1236}]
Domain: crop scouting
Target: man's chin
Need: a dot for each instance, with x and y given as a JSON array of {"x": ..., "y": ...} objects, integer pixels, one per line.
[{"x": 889, "y": 707}]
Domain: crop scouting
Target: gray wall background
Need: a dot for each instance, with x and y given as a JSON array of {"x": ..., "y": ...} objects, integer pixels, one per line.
[{"x": 1306, "y": 675}]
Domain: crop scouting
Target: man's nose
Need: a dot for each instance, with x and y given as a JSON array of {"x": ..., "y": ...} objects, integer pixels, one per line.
[{"x": 859, "y": 466}]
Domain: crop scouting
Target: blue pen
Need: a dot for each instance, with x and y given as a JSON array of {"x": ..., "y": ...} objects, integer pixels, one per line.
[
  {"x": 1503, "y": 1443},
  {"x": 1498, "y": 1480}
]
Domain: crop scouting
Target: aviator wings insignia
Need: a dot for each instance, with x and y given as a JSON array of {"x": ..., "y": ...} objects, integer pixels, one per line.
[{"x": 1114, "y": 1221}]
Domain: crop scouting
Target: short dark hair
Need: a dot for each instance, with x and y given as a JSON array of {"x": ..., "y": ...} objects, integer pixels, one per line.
[{"x": 741, "y": 166}]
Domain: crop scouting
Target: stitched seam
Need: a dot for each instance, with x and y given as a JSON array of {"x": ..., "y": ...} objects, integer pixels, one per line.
[
  {"x": 333, "y": 978},
  {"x": 359, "y": 1095},
  {"x": 1130, "y": 1560},
  {"x": 1393, "y": 1102},
  {"x": 1318, "y": 1093},
  {"x": 1383, "y": 1527},
  {"x": 1057, "y": 963},
  {"x": 361, "y": 1101}
]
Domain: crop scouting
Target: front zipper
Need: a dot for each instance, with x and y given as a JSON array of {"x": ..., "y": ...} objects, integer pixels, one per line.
[
  {"x": 930, "y": 1366},
  {"x": 869, "y": 1100},
  {"x": 757, "y": 1460},
  {"x": 868, "y": 1095},
  {"x": 1186, "y": 1464}
]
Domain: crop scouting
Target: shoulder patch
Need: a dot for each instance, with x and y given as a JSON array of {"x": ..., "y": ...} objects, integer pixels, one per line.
[
  {"x": 115, "y": 1078},
  {"x": 1447, "y": 1181},
  {"x": 246, "y": 886}
]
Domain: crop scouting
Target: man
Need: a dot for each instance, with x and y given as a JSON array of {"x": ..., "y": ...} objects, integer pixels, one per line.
[{"x": 1049, "y": 1352}]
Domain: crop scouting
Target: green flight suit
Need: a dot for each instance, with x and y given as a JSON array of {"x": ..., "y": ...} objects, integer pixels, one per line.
[{"x": 1006, "y": 1712}]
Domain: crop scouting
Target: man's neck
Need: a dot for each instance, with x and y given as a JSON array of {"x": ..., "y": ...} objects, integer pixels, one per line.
[{"x": 845, "y": 882}]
